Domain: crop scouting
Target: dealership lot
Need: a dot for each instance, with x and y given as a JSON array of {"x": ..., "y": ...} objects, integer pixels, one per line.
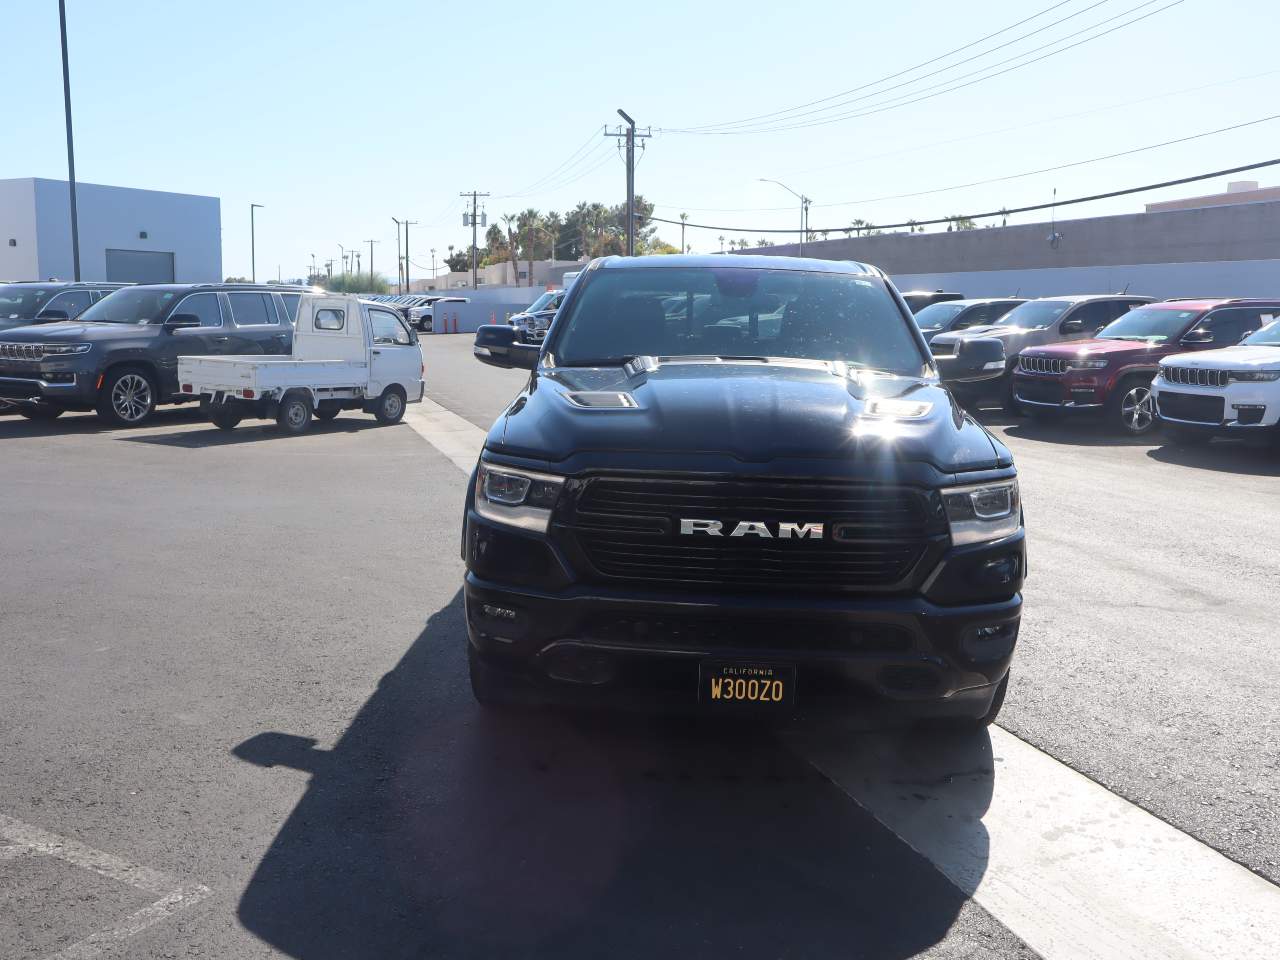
[{"x": 253, "y": 685}]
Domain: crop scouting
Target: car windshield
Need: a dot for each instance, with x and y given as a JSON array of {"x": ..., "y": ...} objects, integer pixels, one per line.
[
  {"x": 1268, "y": 336},
  {"x": 736, "y": 312},
  {"x": 938, "y": 315},
  {"x": 139, "y": 305},
  {"x": 541, "y": 302},
  {"x": 1035, "y": 314},
  {"x": 1149, "y": 324},
  {"x": 20, "y": 301}
]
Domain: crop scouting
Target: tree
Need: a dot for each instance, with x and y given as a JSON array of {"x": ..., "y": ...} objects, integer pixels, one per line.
[
  {"x": 357, "y": 283},
  {"x": 529, "y": 228},
  {"x": 961, "y": 223},
  {"x": 459, "y": 261},
  {"x": 659, "y": 246},
  {"x": 236, "y": 280},
  {"x": 762, "y": 242},
  {"x": 509, "y": 222}
]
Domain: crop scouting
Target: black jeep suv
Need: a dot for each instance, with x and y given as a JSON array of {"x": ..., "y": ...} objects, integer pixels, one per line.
[
  {"x": 120, "y": 357},
  {"x": 22, "y": 304},
  {"x": 768, "y": 503}
]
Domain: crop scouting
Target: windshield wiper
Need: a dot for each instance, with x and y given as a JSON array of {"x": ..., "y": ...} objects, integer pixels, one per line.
[{"x": 1133, "y": 337}]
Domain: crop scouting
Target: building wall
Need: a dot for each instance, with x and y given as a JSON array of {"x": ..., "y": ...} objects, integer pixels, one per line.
[
  {"x": 486, "y": 305},
  {"x": 188, "y": 226},
  {"x": 18, "y": 224},
  {"x": 545, "y": 273},
  {"x": 1225, "y": 250}
]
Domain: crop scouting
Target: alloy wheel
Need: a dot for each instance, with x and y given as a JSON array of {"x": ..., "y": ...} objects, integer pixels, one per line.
[
  {"x": 131, "y": 398},
  {"x": 1136, "y": 409}
]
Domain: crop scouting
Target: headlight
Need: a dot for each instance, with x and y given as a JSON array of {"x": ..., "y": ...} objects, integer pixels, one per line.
[
  {"x": 1255, "y": 376},
  {"x": 65, "y": 349},
  {"x": 982, "y": 512},
  {"x": 1078, "y": 364},
  {"x": 517, "y": 498}
]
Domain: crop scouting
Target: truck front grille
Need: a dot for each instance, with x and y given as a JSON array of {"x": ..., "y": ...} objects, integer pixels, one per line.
[
  {"x": 1196, "y": 376},
  {"x": 1190, "y": 406},
  {"x": 10, "y": 350},
  {"x": 1041, "y": 364},
  {"x": 873, "y": 536}
]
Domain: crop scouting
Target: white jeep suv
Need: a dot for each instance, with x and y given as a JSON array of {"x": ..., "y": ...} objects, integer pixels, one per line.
[{"x": 1234, "y": 391}]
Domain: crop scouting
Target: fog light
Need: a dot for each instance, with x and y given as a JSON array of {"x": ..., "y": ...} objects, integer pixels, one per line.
[
  {"x": 1249, "y": 413},
  {"x": 498, "y": 613},
  {"x": 994, "y": 642}
]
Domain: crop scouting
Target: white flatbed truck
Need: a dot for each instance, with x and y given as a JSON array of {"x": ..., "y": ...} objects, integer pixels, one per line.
[{"x": 348, "y": 354}]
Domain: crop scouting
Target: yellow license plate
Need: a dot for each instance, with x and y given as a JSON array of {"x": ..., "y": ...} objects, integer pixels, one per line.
[{"x": 746, "y": 684}]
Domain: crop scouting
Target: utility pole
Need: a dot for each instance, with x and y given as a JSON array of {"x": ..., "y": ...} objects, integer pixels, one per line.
[
  {"x": 475, "y": 195},
  {"x": 328, "y": 266},
  {"x": 408, "y": 284},
  {"x": 684, "y": 218},
  {"x": 71, "y": 149},
  {"x": 343, "y": 251},
  {"x": 433, "y": 266},
  {"x": 630, "y": 134},
  {"x": 804, "y": 208},
  {"x": 313, "y": 265},
  {"x": 371, "y": 243},
  {"x": 399, "y": 261},
  {"x": 253, "y": 243}
]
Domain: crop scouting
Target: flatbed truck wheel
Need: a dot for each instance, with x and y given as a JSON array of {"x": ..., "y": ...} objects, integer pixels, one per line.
[{"x": 294, "y": 413}]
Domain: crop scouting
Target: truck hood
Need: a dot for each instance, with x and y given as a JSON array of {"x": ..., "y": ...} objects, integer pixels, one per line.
[
  {"x": 1229, "y": 358},
  {"x": 751, "y": 411},
  {"x": 73, "y": 331},
  {"x": 1101, "y": 349},
  {"x": 987, "y": 332}
]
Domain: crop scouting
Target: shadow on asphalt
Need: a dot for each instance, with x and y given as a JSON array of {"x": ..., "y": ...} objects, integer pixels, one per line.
[
  {"x": 76, "y": 422},
  {"x": 436, "y": 829},
  {"x": 1224, "y": 456},
  {"x": 252, "y": 431}
]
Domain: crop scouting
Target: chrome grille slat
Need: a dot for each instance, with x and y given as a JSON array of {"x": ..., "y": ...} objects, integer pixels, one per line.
[
  {"x": 1197, "y": 376},
  {"x": 1042, "y": 365},
  {"x": 10, "y": 350}
]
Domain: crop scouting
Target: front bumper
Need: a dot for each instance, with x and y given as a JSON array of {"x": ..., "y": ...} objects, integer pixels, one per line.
[
  {"x": 55, "y": 383},
  {"x": 1060, "y": 391},
  {"x": 623, "y": 645},
  {"x": 1247, "y": 408},
  {"x": 959, "y": 369}
]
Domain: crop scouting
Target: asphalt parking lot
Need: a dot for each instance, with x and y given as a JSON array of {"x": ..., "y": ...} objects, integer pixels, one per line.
[{"x": 234, "y": 719}]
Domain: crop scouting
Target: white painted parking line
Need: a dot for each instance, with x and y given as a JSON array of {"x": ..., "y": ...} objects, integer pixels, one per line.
[
  {"x": 173, "y": 894},
  {"x": 458, "y": 439},
  {"x": 1069, "y": 867}
]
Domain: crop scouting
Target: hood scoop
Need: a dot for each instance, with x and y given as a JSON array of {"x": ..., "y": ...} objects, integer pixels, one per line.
[{"x": 602, "y": 400}]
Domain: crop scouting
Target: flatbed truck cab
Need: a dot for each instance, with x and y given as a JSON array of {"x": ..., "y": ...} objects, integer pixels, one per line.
[{"x": 739, "y": 487}]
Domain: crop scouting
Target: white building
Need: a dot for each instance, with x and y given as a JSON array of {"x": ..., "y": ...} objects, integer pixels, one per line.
[{"x": 139, "y": 236}]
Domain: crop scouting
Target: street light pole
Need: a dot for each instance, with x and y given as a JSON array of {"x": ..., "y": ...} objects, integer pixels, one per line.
[
  {"x": 408, "y": 282},
  {"x": 343, "y": 257},
  {"x": 433, "y": 266},
  {"x": 71, "y": 149},
  {"x": 371, "y": 243},
  {"x": 253, "y": 243},
  {"x": 804, "y": 208},
  {"x": 399, "y": 261}
]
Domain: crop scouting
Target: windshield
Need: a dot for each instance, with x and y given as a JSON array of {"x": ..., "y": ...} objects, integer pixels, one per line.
[
  {"x": 1034, "y": 315},
  {"x": 139, "y": 305},
  {"x": 938, "y": 315},
  {"x": 22, "y": 302},
  {"x": 1151, "y": 324},
  {"x": 1268, "y": 336},
  {"x": 736, "y": 312},
  {"x": 541, "y": 302}
]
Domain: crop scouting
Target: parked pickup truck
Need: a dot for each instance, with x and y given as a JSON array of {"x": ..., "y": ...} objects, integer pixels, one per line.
[
  {"x": 348, "y": 354},
  {"x": 768, "y": 504}
]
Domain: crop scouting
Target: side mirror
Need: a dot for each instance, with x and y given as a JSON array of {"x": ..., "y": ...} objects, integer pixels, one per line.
[
  {"x": 496, "y": 345},
  {"x": 1199, "y": 335},
  {"x": 1072, "y": 326},
  {"x": 53, "y": 316},
  {"x": 181, "y": 321}
]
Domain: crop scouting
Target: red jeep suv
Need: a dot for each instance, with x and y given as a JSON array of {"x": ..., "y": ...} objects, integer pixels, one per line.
[{"x": 1112, "y": 373}]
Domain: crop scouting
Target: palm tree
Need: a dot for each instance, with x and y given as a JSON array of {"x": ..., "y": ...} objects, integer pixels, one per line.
[
  {"x": 509, "y": 220},
  {"x": 529, "y": 224}
]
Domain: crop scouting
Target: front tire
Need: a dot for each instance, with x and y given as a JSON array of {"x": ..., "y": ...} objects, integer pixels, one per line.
[
  {"x": 1182, "y": 437},
  {"x": 1131, "y": 408},
  {"x": 390, "y": 406},
  {"x": 41, "y": 412},
  {"x": 294, "y": 415},
  {"x": 127, "y": 397}
]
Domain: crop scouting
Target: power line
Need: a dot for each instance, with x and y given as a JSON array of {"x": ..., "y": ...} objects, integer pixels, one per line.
[
  {"x": 1011, "y": 176},
  {"x": 893, "y": 76},
  {"x": 904, "y": 101},
  {"x": 524, "y": 191},
  {"x": 1007, "y": 211}
]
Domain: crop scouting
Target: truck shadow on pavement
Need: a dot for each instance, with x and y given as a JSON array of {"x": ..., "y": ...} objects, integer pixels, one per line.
[
  {"x": 77, "y": 422},
  {"x": 433, "y": 828},
  {"x": 253, "y": 431},
  {"x": 1224, "y": 456}
]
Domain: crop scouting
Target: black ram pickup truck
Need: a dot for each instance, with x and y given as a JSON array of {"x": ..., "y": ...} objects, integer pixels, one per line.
[{"x": 766, "y": 504}]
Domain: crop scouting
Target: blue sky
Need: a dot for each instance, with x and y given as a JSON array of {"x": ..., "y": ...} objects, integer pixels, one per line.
[{"x": 337, "y": 117}]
